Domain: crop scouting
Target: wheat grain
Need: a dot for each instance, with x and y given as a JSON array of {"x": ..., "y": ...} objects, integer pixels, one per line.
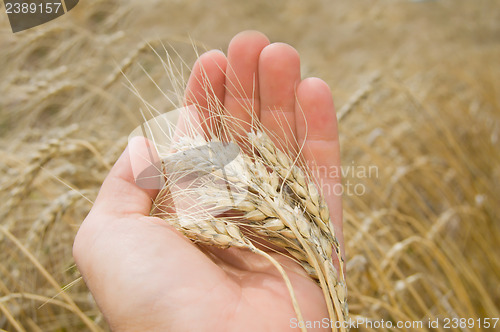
[
  {"x": 51, "y": 215},
  {"x": 271, "y": 196}
]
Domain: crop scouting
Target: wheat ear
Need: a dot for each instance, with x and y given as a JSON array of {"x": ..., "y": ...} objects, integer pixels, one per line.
[{"x": 272, "y": 198}]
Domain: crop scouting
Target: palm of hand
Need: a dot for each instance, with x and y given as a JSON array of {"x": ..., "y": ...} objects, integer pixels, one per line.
[{"x": 145, "y": 275}]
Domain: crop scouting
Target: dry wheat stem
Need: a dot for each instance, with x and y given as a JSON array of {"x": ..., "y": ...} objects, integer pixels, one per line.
[{"x": 270, "y": 196}]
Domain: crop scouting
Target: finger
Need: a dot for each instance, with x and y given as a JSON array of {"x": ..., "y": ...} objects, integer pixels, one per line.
[
  {"x": 127, "y": 190},
  {"x": 241, "y": 99},
  {"x": 205, "y": 88},
  {"x": 279, "y": 73},
  {"x": 317, "y": 134},
  {"x": 190, "y": 123}
]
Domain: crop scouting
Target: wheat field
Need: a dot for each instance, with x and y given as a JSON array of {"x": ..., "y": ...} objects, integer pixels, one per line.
[{"x": 417, "y": 90}]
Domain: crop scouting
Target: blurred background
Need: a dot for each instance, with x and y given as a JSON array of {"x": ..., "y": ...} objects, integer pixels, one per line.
[{"x": 417, "y": 90}]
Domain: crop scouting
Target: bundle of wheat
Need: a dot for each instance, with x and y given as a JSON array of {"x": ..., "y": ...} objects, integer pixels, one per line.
[{"x": 233, "y": 188}]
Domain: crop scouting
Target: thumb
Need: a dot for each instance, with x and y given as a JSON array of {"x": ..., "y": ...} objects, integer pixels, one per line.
[{"x": 133, "y": 182}]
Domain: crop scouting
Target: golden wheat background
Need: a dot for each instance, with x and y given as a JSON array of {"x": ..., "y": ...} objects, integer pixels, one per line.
[{"x": 417, "y": 86}]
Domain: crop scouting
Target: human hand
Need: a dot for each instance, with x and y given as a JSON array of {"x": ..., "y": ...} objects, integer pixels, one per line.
[{"x": 146, "y": 276}]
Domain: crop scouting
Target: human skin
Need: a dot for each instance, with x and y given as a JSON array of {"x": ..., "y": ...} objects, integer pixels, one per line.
[{"x": 146, "y": 276}]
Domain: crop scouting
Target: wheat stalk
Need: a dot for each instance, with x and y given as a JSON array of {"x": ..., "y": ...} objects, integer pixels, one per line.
[{"x": 262, "y": 194}]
